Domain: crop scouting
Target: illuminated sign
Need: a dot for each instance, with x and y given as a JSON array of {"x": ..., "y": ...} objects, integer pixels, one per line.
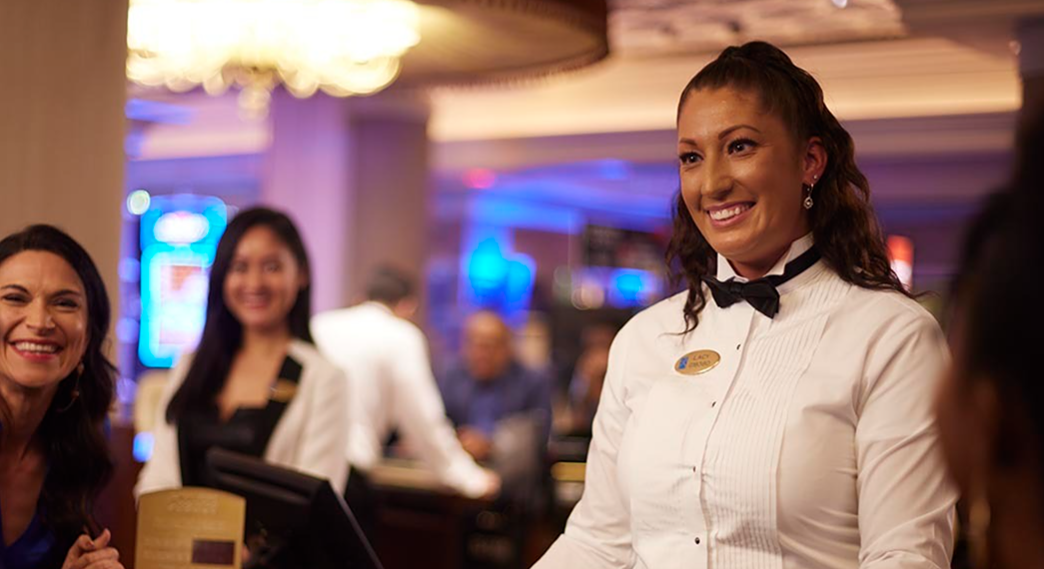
[
  {"x": 181, "y": 227},
  {"x": 179, "y": 236}
]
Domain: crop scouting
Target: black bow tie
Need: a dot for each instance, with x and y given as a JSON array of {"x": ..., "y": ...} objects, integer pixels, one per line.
[{"x": 760, "y": 293}]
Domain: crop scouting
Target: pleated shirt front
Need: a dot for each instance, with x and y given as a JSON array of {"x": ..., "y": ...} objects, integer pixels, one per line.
[{"x": 811, "y": 444}]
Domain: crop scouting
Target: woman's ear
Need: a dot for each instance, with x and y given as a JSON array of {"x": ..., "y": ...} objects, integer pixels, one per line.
[{"x": 814, "y": 161}]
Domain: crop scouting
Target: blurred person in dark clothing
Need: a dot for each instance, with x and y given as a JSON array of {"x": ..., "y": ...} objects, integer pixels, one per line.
[
  {"x": 488, "y": 386},
  {"x": 586, "y": 388},
  {"x": 990, "y": 403}
]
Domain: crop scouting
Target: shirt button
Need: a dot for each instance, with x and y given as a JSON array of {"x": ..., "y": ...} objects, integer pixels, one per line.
[
  {"x": 738, "y": 346},
  {"x": 713, "y": 403},
  {"x": 697, "y": 540}
]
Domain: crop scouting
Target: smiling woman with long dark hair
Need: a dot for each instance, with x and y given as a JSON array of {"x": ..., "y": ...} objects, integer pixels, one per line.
[
  {"x": 56, "y": 386},
  {"x": 256, "y": 384},
  {"x": 776, "y": 413}
]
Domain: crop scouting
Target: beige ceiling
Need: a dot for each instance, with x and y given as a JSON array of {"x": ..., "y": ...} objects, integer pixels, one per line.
[
  {"x": 864, "y": 80},
  {"x": 919, "y": 66},
  {"x": 688, "y": 26},
  {"x": 871, "y": 64}
]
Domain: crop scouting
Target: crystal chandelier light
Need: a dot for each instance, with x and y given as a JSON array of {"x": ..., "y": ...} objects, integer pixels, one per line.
[{"x": 341, "y": 47}]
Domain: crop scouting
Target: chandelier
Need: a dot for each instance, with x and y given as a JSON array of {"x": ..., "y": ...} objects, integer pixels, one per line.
[{"x": 340, "y": 47}]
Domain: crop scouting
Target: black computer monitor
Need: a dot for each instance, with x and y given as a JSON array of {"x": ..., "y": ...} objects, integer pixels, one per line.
[{"x": 297, "y": 520}]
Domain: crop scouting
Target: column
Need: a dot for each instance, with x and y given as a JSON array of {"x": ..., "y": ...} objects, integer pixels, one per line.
[
  {"x": 353, "y": 173},
  {"x": 61, "y": 144}
]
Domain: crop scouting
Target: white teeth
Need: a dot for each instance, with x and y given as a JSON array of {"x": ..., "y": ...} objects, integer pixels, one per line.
[
  {"x": 36, "y": 348},
  {"x": 724, "y": 214}
]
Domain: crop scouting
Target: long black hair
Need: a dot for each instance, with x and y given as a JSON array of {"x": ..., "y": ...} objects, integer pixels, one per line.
[
  {"x": 843, "y": 223},
  {"x": 1001, "y": 273},
  {"x": 72, "y": 430},
  {"x": 222, "y": 333}
]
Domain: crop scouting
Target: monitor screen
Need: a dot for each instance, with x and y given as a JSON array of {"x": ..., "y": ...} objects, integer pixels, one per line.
[{"x": 293, "y": 520}]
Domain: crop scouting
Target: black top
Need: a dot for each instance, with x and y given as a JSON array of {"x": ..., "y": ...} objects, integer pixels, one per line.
[{"x": 247, "y": 431}]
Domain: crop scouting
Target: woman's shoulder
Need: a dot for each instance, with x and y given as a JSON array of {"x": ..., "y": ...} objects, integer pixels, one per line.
[
  {"x": 886, "y": 306},
  {"x": 883, "y": 318},
  {"x": 178, "y": 372},
  {"x": 315, "y": 365},
  {"x": 666, "y": 314}
]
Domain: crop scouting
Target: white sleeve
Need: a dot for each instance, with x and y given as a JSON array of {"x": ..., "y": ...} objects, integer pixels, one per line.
[
  {"x": 906, "y": 501},
  {"x": 163, "y": 469},
  {"x": 418, "y": 411},
  {"x": 598, "y": 534},
  {"x": 320, "y": 448}
]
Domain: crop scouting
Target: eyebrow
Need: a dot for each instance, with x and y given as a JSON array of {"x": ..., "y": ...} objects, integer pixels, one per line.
[
  {"x": 63, "y": 292},
  {"x": 734, "y": 128},
  {"x": 722, "y": 134},
  {"x": 262, "y": 258}
]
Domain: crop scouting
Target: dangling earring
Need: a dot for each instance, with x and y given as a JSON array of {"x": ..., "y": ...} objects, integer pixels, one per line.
[
  {"x": 74, "y": 395},
  {"x": 808, "y": 199}
]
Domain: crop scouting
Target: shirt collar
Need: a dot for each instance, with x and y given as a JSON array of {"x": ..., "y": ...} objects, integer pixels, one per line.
[{"x": 726, "y": 272}]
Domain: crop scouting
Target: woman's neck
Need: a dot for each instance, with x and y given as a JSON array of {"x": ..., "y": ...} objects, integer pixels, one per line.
[
  {"x": 267, "y": 341},
  {"x": 24, "y": 410},
  {"x": 756, "y": 269}
]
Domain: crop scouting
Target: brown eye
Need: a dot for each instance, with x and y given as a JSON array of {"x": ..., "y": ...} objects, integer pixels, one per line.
[
  {"x": 689, "y": 158},
  {"x": 741, "y": 145}
]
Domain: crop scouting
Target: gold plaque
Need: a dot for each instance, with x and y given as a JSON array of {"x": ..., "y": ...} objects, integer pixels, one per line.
[
  {"x": 283, "y": 391},
  {"x": 695, "y": 363},
  {"x": 190, "y": 528}
]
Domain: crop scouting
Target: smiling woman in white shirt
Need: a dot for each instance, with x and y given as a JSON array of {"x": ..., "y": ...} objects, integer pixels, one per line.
[{"x": 777, "y": 413}]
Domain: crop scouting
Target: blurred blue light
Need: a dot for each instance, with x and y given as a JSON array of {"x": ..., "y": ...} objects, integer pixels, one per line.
[
  {"x": 612, "y": 169},
  {"x": 497, "y": 281},
  {"x": 142, "y": 446},
  {"x": 632, "y": 287},
  {"x": 127, "y": 330},
  {"x": 130, "y": 270}
]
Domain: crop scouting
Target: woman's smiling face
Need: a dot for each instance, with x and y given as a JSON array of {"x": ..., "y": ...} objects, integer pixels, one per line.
[
  {"x": 43, "y": 320},
  {"x": 742, "y": 177}
]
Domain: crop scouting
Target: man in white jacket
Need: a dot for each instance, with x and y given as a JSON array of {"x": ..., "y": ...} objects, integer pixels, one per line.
[{"x": 385, "y": 357}]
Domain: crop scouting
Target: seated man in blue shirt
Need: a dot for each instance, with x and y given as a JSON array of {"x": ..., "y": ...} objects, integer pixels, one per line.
[{"x": 488, "y": 387}]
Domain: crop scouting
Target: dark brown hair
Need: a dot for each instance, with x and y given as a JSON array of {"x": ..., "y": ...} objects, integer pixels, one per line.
[
  {"x": 222, "y": 333},
  {"x": 1002, "y": 266},
  {"x": 843, "y": 223},
  {"x": 78, "y": 459}
]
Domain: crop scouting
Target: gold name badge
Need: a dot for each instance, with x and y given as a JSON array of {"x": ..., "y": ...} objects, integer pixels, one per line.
[
  {"x": 283, "y": 391},
  {"x": 190, "y": 528},
  {"x": 695, "y": 363}
]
